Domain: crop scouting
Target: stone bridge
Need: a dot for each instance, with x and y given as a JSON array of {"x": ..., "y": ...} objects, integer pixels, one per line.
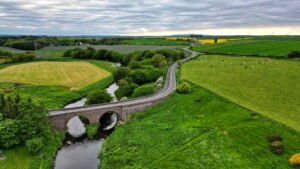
[{"x": 60, "y": 118}]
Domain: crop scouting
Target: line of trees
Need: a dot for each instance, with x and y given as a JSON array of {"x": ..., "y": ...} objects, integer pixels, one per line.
[
  {"x": 91, "y": 53},
  {"x": 9, "y": 57},
  {"x": 37, "y": 42}
]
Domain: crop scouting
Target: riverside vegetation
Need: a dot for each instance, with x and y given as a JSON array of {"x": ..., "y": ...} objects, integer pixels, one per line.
[{"x": 55, "y": 92}]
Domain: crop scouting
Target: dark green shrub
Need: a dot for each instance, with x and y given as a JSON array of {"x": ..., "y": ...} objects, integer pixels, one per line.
[
  {"x": 34, "y": 146},
  {"x": 135, "y": 65},
  {"x": 159, "y": 60},
  {"x": 277, "y": 147},
  {"x": 84, "y": 120},
  {"x": 184, "y": 88},
  {"x": 121, "y": 73},
  {"x": 98, "y": 96},
  {"x": 198, "y": 99},
  {"x": 8, "y": 133},
  {"x": 139, "y": 76},
  {"x": 92, "y": 130},
  {"x": 274, "y": 137},
  {"x": 100, "y": 54},
  {"x": 144, "y": 90},
  {"x": 125, "y": 89},
  {"x": 149, "y": 54},
  {"x": 294, "y": 54}
]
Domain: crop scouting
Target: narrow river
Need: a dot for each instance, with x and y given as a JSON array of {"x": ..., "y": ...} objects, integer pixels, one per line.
[{"x": 83, "y": 154}]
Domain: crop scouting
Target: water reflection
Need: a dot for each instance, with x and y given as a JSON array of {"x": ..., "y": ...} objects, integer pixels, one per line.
[
  {"x": 75, "y": 127},
  {"x": 79, "y": 155},
  {"x": 111, "y": 90},
  {"x": 78, "y": 103}
]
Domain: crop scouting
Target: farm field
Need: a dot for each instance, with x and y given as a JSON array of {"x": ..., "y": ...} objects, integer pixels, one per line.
[
  {"x": 58, "y": 50},
  {"x": 55, "y": 97},
  {"x": 155, "y": 41},
  {"x": 211, "y": 133},
  {"x": 274, "y": 48},
  {"x": 74, "y": 75},
  {"x": 267, "y": 86},
  {"x": 11, "y": 49}
]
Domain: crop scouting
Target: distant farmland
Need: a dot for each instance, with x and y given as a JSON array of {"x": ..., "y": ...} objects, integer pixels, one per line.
[
  {"x": 119, "y": 48},
  {"x": 268, "y": 86},
  {"x": 155, "y": 41},
  {"x": 274, "y": 48},
  {"x": 11, "y": 49},
  {"x": 74, "y": 75}
]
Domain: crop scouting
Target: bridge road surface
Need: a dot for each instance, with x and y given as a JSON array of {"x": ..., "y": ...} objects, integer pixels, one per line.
[{"x": 169, "y": 87}]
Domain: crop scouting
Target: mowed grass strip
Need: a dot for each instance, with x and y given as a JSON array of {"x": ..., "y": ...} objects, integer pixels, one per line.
[
  {"x": 268, "y": 86},
  {"x": 74, "y": 75},
  {"x": 275, "y": 48}
]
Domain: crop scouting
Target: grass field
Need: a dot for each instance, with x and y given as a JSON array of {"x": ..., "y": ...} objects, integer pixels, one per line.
[
  {"x": 74, "y": 75},
  {"x": 11, "y": 49},
  {"x": 19, "y": 158},
  {"x": 275, "y": 48},
  {"x": 210, "y": 134},
  {"x": 268, "y": 86},
  {"x": 58, "y": 50},
  {"x": 155, "y": 41},
  {"x": 55, "y": 97},
  {"x": 44, "y": 53}
]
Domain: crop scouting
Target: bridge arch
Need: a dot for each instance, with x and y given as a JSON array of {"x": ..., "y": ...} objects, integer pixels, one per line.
[
  {"x": 76, "y": 125},
  {"x": 108, "y": 120}
]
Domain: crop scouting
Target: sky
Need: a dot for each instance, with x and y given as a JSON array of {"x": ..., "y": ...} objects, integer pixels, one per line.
[{"x": 150, "y": 17}]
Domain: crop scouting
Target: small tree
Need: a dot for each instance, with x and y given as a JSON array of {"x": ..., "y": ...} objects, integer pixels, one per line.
[
  {"x": 183, "y": 88},
  {"x": 143, "y": 91},
  {"x": 121, "y": 73},
  {"x": 98, "y": 96},
  {"x": 159, "y": 60},
  {"x": 34, "y": 146},
  {"x": 8, "y": 133},
  {"x": 100, "y": 54}
]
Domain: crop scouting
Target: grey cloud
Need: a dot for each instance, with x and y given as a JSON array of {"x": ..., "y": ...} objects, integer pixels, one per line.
[{"x": 122, "y": 16}]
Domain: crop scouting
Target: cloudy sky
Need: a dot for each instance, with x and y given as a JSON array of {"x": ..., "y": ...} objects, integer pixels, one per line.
[{"x": 149, "y": 17}]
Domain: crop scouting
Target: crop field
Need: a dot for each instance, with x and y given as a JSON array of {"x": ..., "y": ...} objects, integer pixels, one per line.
[
  {"x": 11, "y": 49},
  {"x": 58, "y": 50},
  {"x": 197, "y": 130},
  {"x": 155, "y": 41},
  {"x": 267, "y": 86},
  {"x": 273, "y": 48},
  {"x": 207, "y": 40},
  {"x": 74, "y": 75}
]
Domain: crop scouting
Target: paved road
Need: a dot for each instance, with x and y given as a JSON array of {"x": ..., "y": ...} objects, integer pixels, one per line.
[{"x": 169, "y": 87}]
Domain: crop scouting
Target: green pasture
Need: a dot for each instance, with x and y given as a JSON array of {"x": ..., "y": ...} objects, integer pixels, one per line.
[
  {"x": 197, "y": 130},
  {"x": 267, "y": 86},
  {"x": 261, "y": 47}
]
